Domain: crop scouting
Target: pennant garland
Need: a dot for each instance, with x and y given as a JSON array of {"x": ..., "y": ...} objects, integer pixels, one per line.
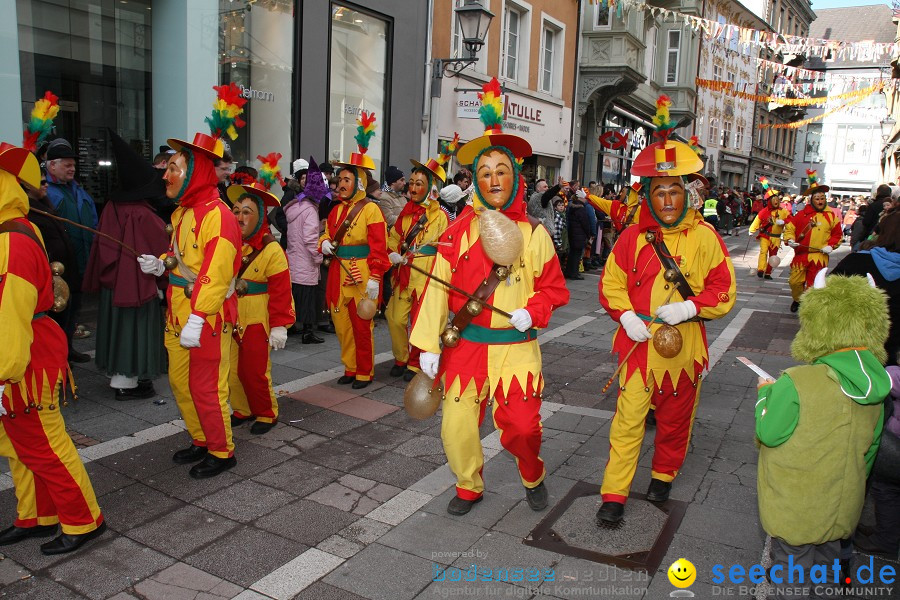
[
  {"x": 269, "y": 171},
  {"x": 227, "y": 109},
  {"x": 801, "y": 123},
  {"x": 41, "y": 123},
  {"x": 727, "y": 86},
  {"x": 365, "y": 129}
]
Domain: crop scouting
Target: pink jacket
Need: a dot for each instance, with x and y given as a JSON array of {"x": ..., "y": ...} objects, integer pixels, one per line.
[{"x": 302, "y": 241}]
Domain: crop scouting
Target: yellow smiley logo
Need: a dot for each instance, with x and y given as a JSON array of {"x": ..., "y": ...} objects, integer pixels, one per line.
[{"x": 682, "y": 573}]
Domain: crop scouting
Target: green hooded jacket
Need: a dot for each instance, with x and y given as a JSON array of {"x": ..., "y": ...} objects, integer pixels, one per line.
[{"x": 820, "y": 427}]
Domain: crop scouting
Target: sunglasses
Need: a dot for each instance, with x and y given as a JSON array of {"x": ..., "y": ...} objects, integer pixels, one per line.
[{"x": 43, "y": 182}]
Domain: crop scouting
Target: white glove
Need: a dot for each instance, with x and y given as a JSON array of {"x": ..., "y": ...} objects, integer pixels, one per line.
[
  {"x": 2, "y": 410},
  {"x": 634, "y": 327},
  {"x": 151, "y": 265},
  {"x": 327, "y": 248},
  {"x": 396, "y": 258},
  {"x": 827, "y": 250},
  {"x": 750, "y": 233},
  {"x": 520, "y": 319},
  {"x": 278, "y": 338},
  {"x": 580, "y": 193},
  {"x": 792, "y": 243},
  {"x": 190, "y": 333},
  {"x": 372, "y": 287},
  {"x": 428, "y": 362},
  {"x": 779, "y": 221},
  {"x": 677, "y": 312}
]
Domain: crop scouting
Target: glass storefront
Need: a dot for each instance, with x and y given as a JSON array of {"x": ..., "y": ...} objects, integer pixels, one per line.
[
  {"x": 256, "y": 46},
  {"x": 360, "y": 55}
]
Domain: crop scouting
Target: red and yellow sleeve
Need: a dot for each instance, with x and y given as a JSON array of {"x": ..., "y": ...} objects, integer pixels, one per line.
[
  {"x": 837, "y": 232},
  {"x": 790, "y": 229},
  {"x": 613, "y": 288},
  {"x": 376, "y": 230},
  {"x": 395, "y": 235},
  {"x": 221, "y": 240},
  {"x": 719, "y": 286},
  {"x": 434, "y": 311},
  {"x": 278, "y": 277},
  {"x": 18, "y": 299},
  {"x": 550, "y": 291},
  {"x": 754, "y": 226}
]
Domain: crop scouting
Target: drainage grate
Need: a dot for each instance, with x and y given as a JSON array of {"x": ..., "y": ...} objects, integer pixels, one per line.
[{"x": 639, "y": 542}]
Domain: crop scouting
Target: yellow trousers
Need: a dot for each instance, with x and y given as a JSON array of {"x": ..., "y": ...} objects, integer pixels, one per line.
[
  {"x": 804, "y": 273},
  {"x": 199, "y": 380},
  {"x": 399, "y": 309},
  {"x": 250, "y": 380},
  {"x": 357, "y": 341},
  {"x": 767, "y": 247}
]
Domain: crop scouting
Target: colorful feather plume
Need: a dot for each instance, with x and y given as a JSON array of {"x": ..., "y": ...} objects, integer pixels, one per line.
[
  {"x": 694, "y": 143},
  {"x": 491, "y": 111},
  {"x": 448, "y": 149},
  {"x": 812, "y": 176},
  {"x": 241, "y": 178},
  {"x": 226, "y": 113},
  {"x": 768, "y": 192},
  {"x": 41, "y": 123},
  {"x": 365, "y": 129},
  {"x": 269, "y": 171},
  {"x": 661, "y": 120}
]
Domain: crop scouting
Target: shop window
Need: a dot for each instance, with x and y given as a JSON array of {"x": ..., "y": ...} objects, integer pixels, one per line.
[
  {"x": 673, "y": 50},
  {"x": 360, "y": 49},
  {"x": 255, "y": 53}
]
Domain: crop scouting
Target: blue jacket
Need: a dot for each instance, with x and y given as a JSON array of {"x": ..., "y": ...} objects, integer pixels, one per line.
[{"x": 74, "y": 203}]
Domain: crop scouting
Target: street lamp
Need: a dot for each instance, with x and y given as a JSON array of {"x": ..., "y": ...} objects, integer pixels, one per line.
[
  {"x": 474, "y": 20},
  {"x": 887, "y": 126}
]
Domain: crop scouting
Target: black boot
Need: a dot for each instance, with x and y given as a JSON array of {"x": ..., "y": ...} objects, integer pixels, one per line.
[
  {"x": 360, "y": 384},
  {"x": 398, "y": 370},
  {"x": 795, "y": 306},
  {"x": 346, "y": 379},
  {"x": 71, "y": 542},
  {"x": 610, "y": 513},
  {"x": 189, "y": 455},
  {"x": 14, "y": 535},
  {"x": 211, "y": 466},
  {"x": 658, "y": 491},
  {"x": 409, "y": 375},
  {"x": 238, "y": 421},
  {"x": 261, "y": 427},
  {"x": 537, "y": 497},
  {"x": 459, "y": 507},
  {"x": 309, "y": 337}
]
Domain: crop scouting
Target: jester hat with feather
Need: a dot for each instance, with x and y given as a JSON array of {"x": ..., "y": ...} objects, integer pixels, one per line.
[
  {"x": 814, "y": 186},
  {"x": 41, "y": 122},
  {"x": 768, "y": 191},
  {"x": 258, "y": 191},
  {"x": 436, "y": 167},
  {"x": 225, "y": 120},
  {"x": 665, "y": 158},
  {"x": 359, "y": 162},
  {"x": 491, "y": 115}
]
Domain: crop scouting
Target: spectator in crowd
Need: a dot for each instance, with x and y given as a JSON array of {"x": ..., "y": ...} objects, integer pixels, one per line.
[
  {"x": 579, "y": 224},
  {"x": 539, "y": 204},
  {"x": 391, "y": 198},
  {"x": 560, "y": 229}
]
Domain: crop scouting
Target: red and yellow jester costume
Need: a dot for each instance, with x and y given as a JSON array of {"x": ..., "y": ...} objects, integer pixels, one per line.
[
  {"x": 359, "y": 260},
  {"x": 408, "y": 285},
  {"x": 633, "y": 290},
  {"x": 770, "y": 222},
  {"x": 497, "y": 361},
  {"x": 622, "y": 214},
  {"x": 813, "y": 233},
  {"x": 51, "y": 483},
  {"x": 265, "y": 306}
]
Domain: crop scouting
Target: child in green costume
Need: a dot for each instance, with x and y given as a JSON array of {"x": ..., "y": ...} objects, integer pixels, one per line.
[{"x": 819, "y": 426}]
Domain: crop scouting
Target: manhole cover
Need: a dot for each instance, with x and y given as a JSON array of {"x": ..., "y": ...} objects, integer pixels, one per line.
[{"x": 640, "y": 542}]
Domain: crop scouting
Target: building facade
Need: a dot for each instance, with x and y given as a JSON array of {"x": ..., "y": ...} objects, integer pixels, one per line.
[
  {"x": 626, "y": 61},
  {"x": 530, "y": 47},
  {"x": 724, "y": 123},
  {"x": 146, "y": 69}
]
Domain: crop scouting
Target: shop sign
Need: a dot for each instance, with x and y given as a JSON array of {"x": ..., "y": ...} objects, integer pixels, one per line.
[
  {"x": 519, "y": 110},
  {"x": 610, "y": 165},
  {"x": 639, "y": 140},
  {"x": 614, "y": 140},
  {"x": 513, "y": 126},
  {"x": 256, "y": 94},
  {"x": 467, "y": 105}
]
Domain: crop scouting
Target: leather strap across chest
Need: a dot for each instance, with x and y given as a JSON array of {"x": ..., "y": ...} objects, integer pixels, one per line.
[
  {"x": 348, "y": 221},
  {"x": 414, "y": 232},
  {"x": 16, "y": 227}
]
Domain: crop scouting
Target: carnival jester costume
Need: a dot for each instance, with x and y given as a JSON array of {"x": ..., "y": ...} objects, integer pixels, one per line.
[
  {"x": 412, "y": 238},
  {"x": 496, "y": 360},
  {"x": 770, "y": 223},
  {"x": 671, "y": 252},
  {"x": 204, "y": 256},
  {"x": 52, "y": 485},
  {"x": 265, "y": 304},
  {"x": 813, "y": 233},
  {"x": 621, "y": 214},
  {"x": 355, "y": 238}
]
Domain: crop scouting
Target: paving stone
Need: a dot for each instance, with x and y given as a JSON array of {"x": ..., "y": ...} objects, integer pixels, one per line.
[
  {"x": 134, "y": 505},
  {"x": 501, "y": 551},
  {"x": 245, "y": 501},
  {"x": 357, "y": 484},
  {"x": 147, "y": 459},
  {"x": 11, "y": 571},
  {"x": 105, "y": 480},
  {"x": 486, "y": 513},
  {"x": 403, "y": 421},
  {"x": 425, "y": 448},
  {"x": 253, "y": 459},
  {"x": 177, "y": 483},
  {"x": 376, "y": 435},
  {"x": 104, "y": 569},
  {"x": 257, "y": 552},
  {"x": 309, "y": 441},
  {"x": 183, "y": 531},
  {"x": 298, "y": 574},
  {"x": 365, "y": 531},
  {"x": 337, "y": 496},
  {"x": 732, "y": 496},
  {"x": 433, "y": 537},
  {"x": 720, "y": 526},
  {"x": 323, "y": 396},
  {"x": 577, "y": 578},
  {"x": 298, "y": 477},
  {"x": 395, "y": 469},
  {"x": 330, "y": 424},
  {"x": 38, "y": 588},
  {"x": 339, "y": 546},
  {"x": 341, "y": 455},
  {"x": 323, "y": 591},
  {"x": 462, "y": 589},
  {"x": 382, "y": 573},
  {"x": 306, "y": 521}
]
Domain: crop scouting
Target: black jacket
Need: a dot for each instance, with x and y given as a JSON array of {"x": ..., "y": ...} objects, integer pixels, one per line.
[
  {"x": 579, "y": 224},
  {"x": 56, "y": 241},
  {"x": 873, "y": 213}
]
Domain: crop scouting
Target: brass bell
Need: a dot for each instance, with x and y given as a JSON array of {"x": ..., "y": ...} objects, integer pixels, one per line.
[
  {"x": 404, "y": 248},
  {"x": 450, "y": 336},
  {"x": 326, "y": 261},
  {"x": 667, "y": 341},
  {"x": 366, "y": 309},
  {"x": 422, "y": 397},
  {"x": 502, "y": 272},
  {"x": 57, "y": 268},
  {"x": 670, "y": 275},
  {"x": 170, "y": 262},
  {"x": 189, "y": 290},
  {"x": 61, "y": 294},
  {"x": 241, "y": 288},
  {"x": 169, "y": 229},
  {"x": 474, "y": 308},
  {"x": 650, "y": 236},
  {"x": 245, "y": 259},
  {"x": 346, "y": 223}
]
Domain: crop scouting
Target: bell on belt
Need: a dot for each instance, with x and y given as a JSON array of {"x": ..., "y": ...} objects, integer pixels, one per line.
[
  {"x": 326, "y": 261},
  {"x": 57, "y": 268},
  {"x": 170, "y": 262},
  {"x": 422, "y": 397},
  {"x": 241, "y": 288},
  {"x": 667, "y": 341},
  {"x": 650, "y": 236},
  {"x": 450, "y": 336},
  {"x": 670, "y": 275},
  {"x": 365, "y": 309},
  {"x": 500, "y": 237},
  {"x": 60, "y": 292},
  {"x": 502, "y": 273},
  {"x": 169, "y": 229},
  {"x": 189, "y": 290},
  {"x": 245, "y": 259},
  {"x": 474, "y": 308}
]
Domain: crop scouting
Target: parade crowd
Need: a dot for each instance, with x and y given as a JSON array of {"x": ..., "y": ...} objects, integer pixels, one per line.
[{"x": 202, "y": 269}]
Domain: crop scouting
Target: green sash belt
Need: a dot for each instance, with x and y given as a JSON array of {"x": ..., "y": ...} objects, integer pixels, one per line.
[
  {"x": 648, "y": 318},
  {"x": 426, "y": 251},
  {"x": 39, "y": 315},
  {"x": 486, "y": 335},
  {"x": 256, "y": 287},
  {"x": 359, "y": 251},
  {"x": 177, "y": 281}
]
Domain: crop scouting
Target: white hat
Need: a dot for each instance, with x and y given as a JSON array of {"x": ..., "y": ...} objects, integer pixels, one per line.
[
  {"x": 301, "y": 164},
  {"x": 451, "y": 194}
]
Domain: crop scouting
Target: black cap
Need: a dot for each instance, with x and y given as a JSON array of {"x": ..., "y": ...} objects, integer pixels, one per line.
[{"x": 60, "y": 148}]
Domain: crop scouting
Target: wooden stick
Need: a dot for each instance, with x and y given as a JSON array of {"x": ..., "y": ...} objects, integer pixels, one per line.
[
  {"x": 86, "y": 228},
  {"x": 624, "y": 361},
  {"x": 459, "y": 290}
]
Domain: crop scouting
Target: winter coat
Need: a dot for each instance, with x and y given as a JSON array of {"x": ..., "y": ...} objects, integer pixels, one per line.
[
  {"x": 56, "y": 241},
  {"x": 71, "y": 201},
  {"x": 302, "y": 241},
  {"x": 579, "y": 225}
]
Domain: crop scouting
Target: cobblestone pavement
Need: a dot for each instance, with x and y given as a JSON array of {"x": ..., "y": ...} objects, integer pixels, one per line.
[{"x": 346, "y": 497}]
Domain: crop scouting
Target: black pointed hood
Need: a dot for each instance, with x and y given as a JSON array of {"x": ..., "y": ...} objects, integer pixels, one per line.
[{"x": 138, "y": 180}]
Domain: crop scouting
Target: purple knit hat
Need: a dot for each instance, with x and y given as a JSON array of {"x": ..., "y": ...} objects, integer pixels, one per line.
[{"x": 316, "y": 189}]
